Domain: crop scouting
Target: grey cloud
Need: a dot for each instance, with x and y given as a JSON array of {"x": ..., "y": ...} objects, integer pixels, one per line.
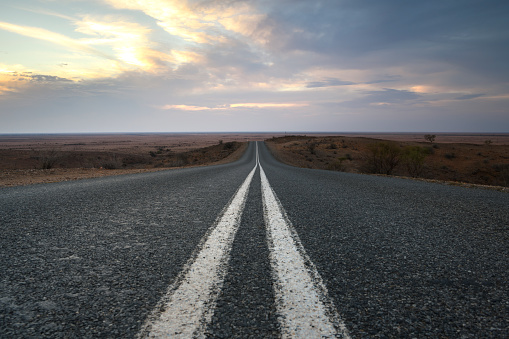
[
  {"x": 471, "y": 35},
  {"x": 38, "y": 77},
  {"x": 470, "y": 96},
  {"x": 329, "y": 82},
  {"x": 47, "y": 78},
  {"x": 391, "y": 96},
  {"x": 395, "y": 78}
]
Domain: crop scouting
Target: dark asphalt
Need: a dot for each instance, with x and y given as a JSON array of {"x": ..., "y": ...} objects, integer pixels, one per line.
[
  {"x": 403, "y": 258},
  {"x": 400, "y": 258}
]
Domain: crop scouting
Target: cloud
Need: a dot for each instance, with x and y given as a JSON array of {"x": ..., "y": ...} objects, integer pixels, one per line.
[
  {"x": 343, "y": 60},
  {"x": 268, "y": 105},
  {"x": 389, "y": 95},
  {"x": 470, "y": 96},
  {"x": 329, "y": 82},
  {"x": 56, "y": 38},
  {"x": 199, "y": 22},
  {"x": 232, "y": 106},
  {"x": 129, "y": 42},
  {"x": 187, "y": 108},
  {"x": 15, "y": 81}
]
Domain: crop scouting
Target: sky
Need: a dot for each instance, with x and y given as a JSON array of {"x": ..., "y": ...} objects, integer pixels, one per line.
[{"x": 93, "y": 66}]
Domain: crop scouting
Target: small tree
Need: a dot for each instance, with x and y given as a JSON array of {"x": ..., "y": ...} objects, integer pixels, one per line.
[{"x": 430, "y": 137}]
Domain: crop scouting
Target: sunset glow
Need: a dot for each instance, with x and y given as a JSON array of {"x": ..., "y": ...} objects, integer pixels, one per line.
[{"x": 106, "y": 65}]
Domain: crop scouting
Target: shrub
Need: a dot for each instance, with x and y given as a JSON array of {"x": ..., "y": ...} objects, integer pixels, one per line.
[
  {"x": 429, "y": 150},
  {"x": 413, "y": 157},
  {"x": 48, "y": 159},
  {"x": 110, "y": 165},
  {"x": 450, "y": 156},
  {"x": 383, "y": 157},
  {"x": 183, "y": 158},
  {"x": 502, "y": 173},
  {"x": 229, "y": 145},
  {"x": 312, "y": 148},
  {"x": 337, "y": 165}
]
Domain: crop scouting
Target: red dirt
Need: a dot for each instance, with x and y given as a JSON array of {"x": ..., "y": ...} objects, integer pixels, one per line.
[{"x": 471, "y": 161}]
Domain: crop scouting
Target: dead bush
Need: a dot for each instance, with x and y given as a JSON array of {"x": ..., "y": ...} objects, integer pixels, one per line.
[{"x": 48, "y": 159}]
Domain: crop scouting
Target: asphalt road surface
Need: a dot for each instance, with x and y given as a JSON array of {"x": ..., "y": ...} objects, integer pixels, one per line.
[{"x": 253, "y": 249}]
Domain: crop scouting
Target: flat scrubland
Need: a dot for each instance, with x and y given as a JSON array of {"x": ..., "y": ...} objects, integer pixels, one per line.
[
  {"x": 481, "y": 159},
  {"x": 30, "y": 159},
  {"x": 477, "y": 159}
]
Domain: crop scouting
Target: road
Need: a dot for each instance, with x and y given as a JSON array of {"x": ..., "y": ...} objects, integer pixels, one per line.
[{"x": 253, "y": 249}]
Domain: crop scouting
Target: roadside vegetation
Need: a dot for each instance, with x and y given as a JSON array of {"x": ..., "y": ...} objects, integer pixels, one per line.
[
  {"x": 23, "y": 167},
  {"x": 160, "y": 156},
  {"x": 482, "y": 163}
]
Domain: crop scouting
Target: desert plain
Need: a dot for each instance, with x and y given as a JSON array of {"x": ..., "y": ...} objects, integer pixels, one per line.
[{"x": 475, "y": 159}]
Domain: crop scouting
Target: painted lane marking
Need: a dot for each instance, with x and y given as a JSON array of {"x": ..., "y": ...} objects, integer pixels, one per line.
[
  {"x": 189, "y": 303},
  {"x": 305, "y": 310}
]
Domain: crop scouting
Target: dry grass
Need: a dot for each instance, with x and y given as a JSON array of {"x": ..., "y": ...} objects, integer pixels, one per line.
[
  {"x": 40, "y": 159},
  {"x": 474, "y": 163}
]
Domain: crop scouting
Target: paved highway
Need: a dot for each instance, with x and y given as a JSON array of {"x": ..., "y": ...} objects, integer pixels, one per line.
[{"x": 253, "y": 249}]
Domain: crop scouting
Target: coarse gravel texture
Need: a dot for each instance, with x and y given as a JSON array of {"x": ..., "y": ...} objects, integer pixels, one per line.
[
  {"x": 399, "y": 258},
  {"x": 245, "y": 307},
  {"x": 92, "y": 258},
  {"x": 403, "y": 258}
]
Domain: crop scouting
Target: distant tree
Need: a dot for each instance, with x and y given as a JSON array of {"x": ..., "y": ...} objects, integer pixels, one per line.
[
  {"x": 488, "y": 142},
  {"x": 430, "y": 137}
]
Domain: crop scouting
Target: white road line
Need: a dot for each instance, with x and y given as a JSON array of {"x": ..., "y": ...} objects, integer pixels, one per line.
[
  {"x": 305, "y": 311},
  {"x": 189, "y": 303}
]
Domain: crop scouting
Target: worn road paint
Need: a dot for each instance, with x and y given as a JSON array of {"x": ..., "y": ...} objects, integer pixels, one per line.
[
  {"x": 189, "y": 303},
  {"x": 305, "y": 311}
]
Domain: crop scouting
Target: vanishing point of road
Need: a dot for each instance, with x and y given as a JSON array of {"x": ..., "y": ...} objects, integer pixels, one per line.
[{"x": 256, "y": 249}]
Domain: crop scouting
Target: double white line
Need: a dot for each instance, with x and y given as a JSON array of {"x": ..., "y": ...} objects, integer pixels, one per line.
[{"x": 304, "y": 308}]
